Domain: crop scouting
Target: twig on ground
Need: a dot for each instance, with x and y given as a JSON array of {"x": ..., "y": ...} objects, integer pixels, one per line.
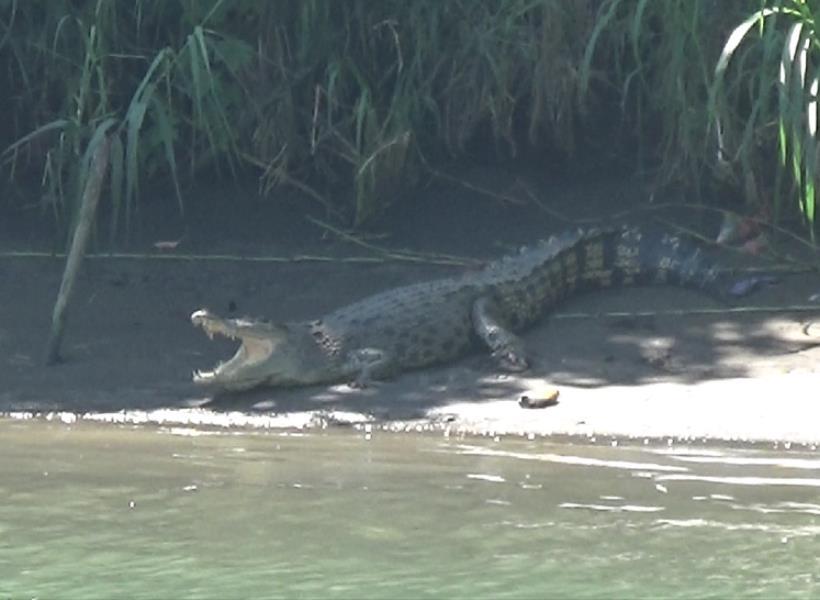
[{"x": 398, "y": 255}]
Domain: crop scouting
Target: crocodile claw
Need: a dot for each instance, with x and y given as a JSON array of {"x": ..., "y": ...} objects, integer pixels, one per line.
[{"x": 512, "y": 361}]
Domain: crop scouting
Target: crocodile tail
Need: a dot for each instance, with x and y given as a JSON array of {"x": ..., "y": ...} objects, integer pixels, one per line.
[{"x": 651, "y": 255}]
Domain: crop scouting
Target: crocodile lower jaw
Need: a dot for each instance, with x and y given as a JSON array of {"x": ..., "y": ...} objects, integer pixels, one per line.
[{"x": 206, "y": 377}]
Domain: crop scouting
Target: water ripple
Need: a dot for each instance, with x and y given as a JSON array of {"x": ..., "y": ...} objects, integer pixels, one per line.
[
  {"x": 740, "y": 480},
  {"x": 585, "y": 461},
  {"x": 612, "y": 508}
]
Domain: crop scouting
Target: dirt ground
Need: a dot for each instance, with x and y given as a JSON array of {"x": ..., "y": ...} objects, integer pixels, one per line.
[{"x": 689, "y": 368}]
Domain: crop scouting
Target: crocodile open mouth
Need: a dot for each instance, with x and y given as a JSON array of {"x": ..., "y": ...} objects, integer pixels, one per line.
[{"x": 257, "y": 342}]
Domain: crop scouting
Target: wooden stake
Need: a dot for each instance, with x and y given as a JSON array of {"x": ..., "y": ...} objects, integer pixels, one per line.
[{"x": 91, "y": 197}]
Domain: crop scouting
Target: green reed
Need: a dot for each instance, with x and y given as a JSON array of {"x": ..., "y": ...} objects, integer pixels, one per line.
[{"x": 347, "y": 100}]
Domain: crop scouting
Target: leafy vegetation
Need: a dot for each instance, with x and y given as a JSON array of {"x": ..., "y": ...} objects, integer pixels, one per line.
[
  {"x": 784, "y": 38},
  {"x": 358, "y": 94}
]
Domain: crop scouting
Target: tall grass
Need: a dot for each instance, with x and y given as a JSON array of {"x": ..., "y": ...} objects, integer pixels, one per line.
[
  {"x": 325, "y": 95},
  {"x": 80, "y": 72},
  {"x": 347, "y": 99},
  {"x": 360, "y": 88}
]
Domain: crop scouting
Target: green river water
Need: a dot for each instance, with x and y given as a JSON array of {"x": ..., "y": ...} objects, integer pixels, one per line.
[{"x": 107, "y": 512}]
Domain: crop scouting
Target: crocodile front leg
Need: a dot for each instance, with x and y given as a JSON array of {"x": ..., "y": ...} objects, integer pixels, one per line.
[{"x": 506, "y": 347}]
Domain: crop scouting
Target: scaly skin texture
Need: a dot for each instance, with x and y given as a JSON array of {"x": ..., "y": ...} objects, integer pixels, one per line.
[{"x": 436, "y": 321}]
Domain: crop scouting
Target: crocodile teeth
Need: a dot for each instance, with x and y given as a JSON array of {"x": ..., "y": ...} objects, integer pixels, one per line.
[{"x": 203, "y": 376}]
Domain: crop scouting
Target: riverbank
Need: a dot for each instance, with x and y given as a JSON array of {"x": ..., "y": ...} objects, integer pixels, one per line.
[{"x": 635, "y": 363}]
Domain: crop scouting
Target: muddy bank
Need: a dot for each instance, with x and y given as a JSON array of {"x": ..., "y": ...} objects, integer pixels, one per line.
[{"x": 643, "y": 362}]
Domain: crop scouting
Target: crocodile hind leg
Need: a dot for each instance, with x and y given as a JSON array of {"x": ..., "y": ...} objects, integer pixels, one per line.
[
  {"x": 369, "y": 364},
  {"x": 506, "y": 347}
]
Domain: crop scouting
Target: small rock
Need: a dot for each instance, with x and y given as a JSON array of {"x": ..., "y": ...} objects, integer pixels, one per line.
[{"x": 539, "y": 398}]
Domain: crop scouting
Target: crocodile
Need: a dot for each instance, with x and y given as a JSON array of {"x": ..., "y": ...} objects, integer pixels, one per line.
[{"x": 437, "y": 321}]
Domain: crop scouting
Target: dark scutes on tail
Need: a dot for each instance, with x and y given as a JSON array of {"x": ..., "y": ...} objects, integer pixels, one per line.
[
  {"x": 654, "y": 256},
  {"x": 526, "y": 286}
]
